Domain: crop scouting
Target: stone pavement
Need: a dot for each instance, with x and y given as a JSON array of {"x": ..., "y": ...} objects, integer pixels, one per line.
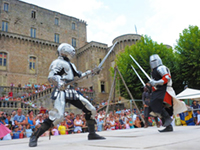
[{"x": 183, "y": 138}]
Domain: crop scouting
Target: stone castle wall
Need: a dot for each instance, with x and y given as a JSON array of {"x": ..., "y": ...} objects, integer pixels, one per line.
[
  {"x": 19, "y": 46},
  {"x": 20, "y": 21}
]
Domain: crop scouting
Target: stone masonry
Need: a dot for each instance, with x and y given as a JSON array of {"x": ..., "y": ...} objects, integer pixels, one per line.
[{"x": 19, "y": 46}]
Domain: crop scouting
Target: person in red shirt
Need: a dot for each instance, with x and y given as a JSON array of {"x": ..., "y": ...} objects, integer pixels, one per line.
[{"x": 10, "y": 94}]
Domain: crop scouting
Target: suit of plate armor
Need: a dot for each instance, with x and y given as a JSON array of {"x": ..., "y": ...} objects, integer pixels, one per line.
[
  {"x": 61, "y": 72},
  {"x": 161, "y": 104}
]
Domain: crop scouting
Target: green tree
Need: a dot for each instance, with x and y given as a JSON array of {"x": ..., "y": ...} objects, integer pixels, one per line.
[
  {"x": 188, "y": 51},
  {"x": 141, "y": 52}
]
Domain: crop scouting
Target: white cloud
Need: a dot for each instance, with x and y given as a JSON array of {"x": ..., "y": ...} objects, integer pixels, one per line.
[
  {"x": 170, "y": 18},
  {"x": 102, "y": 31}
]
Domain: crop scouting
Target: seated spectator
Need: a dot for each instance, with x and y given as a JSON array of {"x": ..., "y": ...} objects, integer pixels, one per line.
[
  {"x": 150, "y": 122},
  {"x": 118, "y": 111},
  {"x": 84, "y": 127},
  {"x": 117, "y": 124},
  {"x": 55, "y": 131},
  {"x": 100, "y": 115},
  {"x": 28, "y": 131},
  {"x": 10, "y": 94},
  {"x": 198, "y": 117},
  {"x": 5, "y": 116},
  {"x": 100, "y": 123},
  {"x": 195, "y": 105},
  {"x": 39, "y": 119},
  {"x": 108, "y": 127},
  {"x": 62, "y": 128},
  {"x": 12, "y": 117},
  {"x": 29, "y": 86},
  {"x": 131, "y": 124},
  {"x": 30, "y": 120},
  {"x": 70, "y": 124},
  {"x": 9, "y": 122},
  {"x": 19, "y": 119},
  {"x": 137, "y": 122},
  {"x": 112, "y": 123},
  {"x": 16, "y": 133},
  {"x": 134, "y": 116},
  {"x": 127, "y": 124},
  {"x": 77, "y": 124}
]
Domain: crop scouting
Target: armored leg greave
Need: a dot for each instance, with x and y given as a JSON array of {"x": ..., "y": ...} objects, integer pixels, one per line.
[
  {"x": 91, "y": 127},
  {"x": 166, "y": 118},
  {"x": 36, "y": 134}
]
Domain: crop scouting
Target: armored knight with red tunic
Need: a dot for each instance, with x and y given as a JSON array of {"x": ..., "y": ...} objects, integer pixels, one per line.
[{"x": 163, "y": 100}]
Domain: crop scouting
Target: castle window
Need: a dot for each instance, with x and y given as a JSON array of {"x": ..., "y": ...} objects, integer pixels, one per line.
[
  {"x": 33, "y": 14},
  {"x": 5, "y": 6},
  {"x": 33, "y": 33},
  {"x": 56, "y": 21},
  {"x": 3, "y": 60},
  {"x": 100, "y": 60},
  {"x": 32, "y": 64},
  {"x": 73, "y": 26},
  {"x": 56, "y": 38},
  {"x": 73, "y": 42},
  {"x": 4, "y": 26},
  {"x": 102, "y": 87}
]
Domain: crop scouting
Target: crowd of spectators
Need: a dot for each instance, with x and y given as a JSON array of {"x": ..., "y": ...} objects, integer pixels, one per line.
[
  {"x": 22, "y": 126},
  {"x": 31, "y": 89}
]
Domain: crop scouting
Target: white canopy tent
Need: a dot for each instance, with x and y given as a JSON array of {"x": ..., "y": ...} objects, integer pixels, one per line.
[{"x": 189, "y": 93}]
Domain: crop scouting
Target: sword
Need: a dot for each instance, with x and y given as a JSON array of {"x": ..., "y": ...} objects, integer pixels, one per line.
[
  {"x": 99, "y": 67},
  {"x": 141, "y": 68},
  {"x": 138, "y": 76},
  {"x": 96, "y": 69},
  {"x": 104, "y": 59}
]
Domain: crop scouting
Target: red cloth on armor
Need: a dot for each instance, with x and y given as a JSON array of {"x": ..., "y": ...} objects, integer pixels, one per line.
[
  {"x": 168, "y": 99},
  {"x": 165, "y": 79}
]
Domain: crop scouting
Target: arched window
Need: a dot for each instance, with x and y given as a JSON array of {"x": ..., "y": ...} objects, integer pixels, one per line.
[
  {"x": 3, "y": 60},
  {"x": 32, "y": 64}
]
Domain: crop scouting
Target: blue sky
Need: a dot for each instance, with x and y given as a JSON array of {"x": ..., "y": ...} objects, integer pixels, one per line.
[{"x": 162, "y": 20}]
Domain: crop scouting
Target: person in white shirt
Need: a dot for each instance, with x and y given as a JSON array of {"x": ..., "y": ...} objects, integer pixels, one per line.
[
  {"x": 198, "y": 117},
  {"x": 39, "y": 120}
]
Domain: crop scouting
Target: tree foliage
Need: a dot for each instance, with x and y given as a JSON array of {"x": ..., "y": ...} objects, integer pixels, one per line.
[
  {"x": 141, "y": 51},
  {"x": 188, "y": 51}
]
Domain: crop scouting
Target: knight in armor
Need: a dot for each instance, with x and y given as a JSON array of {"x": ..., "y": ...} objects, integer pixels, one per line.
[
  {"x": 146, "y": 96},
  {"x": 61, "y": 72},
  {"x": 163, "y": 101}
]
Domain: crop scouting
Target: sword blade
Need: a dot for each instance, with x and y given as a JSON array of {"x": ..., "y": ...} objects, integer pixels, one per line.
[
  {"x": 104, "y": 59},
  {"x": 140, "y": 68},
  {"x": 98, "y": 68},
  {"x": 138, "y": 76}
]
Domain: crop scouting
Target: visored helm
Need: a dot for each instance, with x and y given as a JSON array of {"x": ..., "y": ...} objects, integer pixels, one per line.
[
  {"x": 155, "y": 61},
  {"x": 66, "y": 50}
]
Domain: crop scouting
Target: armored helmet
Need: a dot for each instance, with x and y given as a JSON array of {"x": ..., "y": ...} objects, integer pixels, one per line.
[
  {"x": 66, "y": 50},
  {"x": 155, "y": 61}
]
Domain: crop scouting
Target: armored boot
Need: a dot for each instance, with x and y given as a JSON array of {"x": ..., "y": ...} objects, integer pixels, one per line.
[
  {"x": 92, "y": 135},
  {"x": 157, "y": 123},
  {"x": 166, "y": 118},
  {"x": 146, "y": 122},
  {"x": 36, "y": 134},
  {"x": 167, "y": 129}
]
